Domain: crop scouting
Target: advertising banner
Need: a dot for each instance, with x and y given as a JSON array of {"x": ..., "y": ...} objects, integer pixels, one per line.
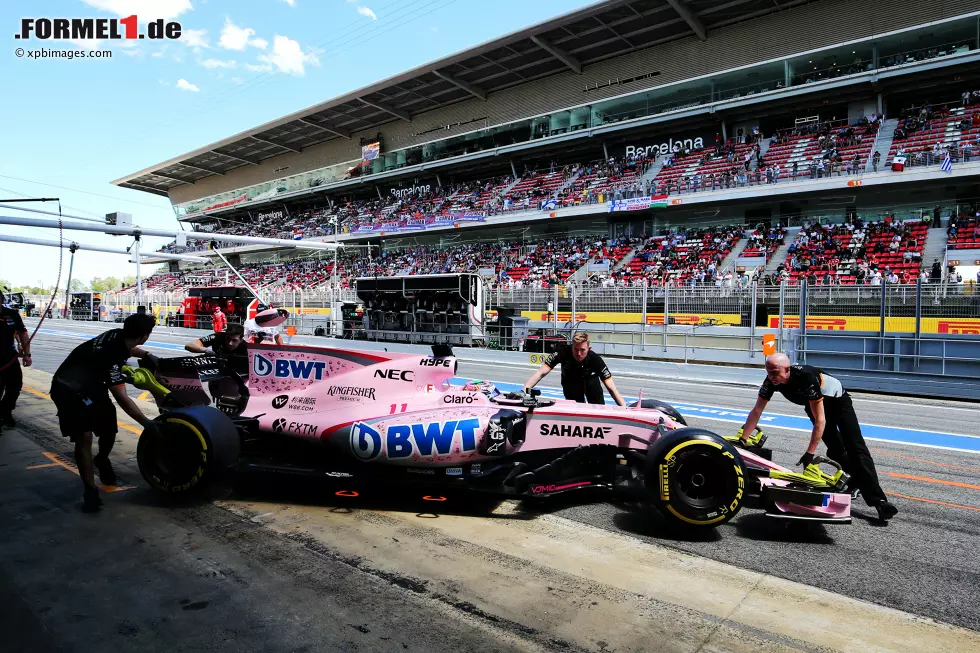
[{"x": 638, "y": 203}]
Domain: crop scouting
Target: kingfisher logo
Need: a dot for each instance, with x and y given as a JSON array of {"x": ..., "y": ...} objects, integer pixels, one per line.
[
  {"x": 425, "y": 440},
  {"x": 288, "y": 368}
]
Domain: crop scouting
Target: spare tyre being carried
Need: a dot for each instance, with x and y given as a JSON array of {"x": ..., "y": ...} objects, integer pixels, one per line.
[{"x": 695, "y": 478}]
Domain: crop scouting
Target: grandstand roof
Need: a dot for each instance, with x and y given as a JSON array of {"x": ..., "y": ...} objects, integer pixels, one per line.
[{"x": 568, "y": 42}]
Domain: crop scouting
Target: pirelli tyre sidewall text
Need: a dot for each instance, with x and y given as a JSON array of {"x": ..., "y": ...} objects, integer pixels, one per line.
[
  {"x": 189, "y": 447},
  {"x": 695, "y": 478}
]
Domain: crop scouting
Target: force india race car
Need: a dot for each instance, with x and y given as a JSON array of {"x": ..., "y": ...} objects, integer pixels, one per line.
[{"x": 361, "y": 418}]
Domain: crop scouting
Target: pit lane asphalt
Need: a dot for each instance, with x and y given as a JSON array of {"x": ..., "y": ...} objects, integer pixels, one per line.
[{"x": 923, "y": 562}]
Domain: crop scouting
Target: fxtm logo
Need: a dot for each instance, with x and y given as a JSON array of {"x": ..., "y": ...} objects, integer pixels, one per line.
[
  {"x": 425, "y": 440},
  {"x": 76, "y": 29},
  {"x": 288, "y": 368},
  {"x": 283, "y": 426},
  {"x": 395, "y": 375},
  {"x": 280, "y": 401}
]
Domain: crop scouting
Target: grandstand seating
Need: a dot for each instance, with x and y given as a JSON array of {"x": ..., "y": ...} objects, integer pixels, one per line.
[
  {"x": 764, "y": 242},
  {"x": 807, "y": 148},
  {"x": 862, "y": 254},
  {"x": 926, "y": 130},
  {"x": 964, "y": 233},
  {"x": 679, "y": 257}
]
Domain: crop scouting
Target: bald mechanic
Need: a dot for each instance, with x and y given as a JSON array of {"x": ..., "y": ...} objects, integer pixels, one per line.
[
  {"x": 583, "y": 373},
  {"x": 830, "y": 409}
]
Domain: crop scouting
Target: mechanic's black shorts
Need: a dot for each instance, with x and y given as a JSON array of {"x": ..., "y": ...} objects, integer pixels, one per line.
[{"x": 78, "y": 414}]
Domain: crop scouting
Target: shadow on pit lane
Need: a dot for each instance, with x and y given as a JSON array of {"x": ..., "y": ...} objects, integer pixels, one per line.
[
  {"x": 648, "y": 522},
  {"x": 757, "y": 526}
]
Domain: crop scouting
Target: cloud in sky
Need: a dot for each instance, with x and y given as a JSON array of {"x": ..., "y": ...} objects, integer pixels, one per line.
[
  {"x": 291, "y": 3},
  {"x": 367, "y": 12},
  {"x": 185, "y": 85},
  {"x": 238, "y": 38},
  {"x": 195, "y": 38},
  {"x": 288, "y": 56},
  {"x": 147, "y": 10},
  {"x": 211, "y": 64}
]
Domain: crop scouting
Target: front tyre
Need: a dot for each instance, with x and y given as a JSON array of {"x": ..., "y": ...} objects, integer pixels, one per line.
[
  {"x": 663, "y": 407},
  {"x": 695, "y": 478},
  {"x": 189, "y": 447}
]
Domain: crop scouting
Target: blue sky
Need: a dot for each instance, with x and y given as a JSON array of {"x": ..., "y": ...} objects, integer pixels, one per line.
[{"x": 80, "y": 124}]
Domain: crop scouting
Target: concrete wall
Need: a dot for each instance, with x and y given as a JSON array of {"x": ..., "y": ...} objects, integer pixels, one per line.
[{"x": 799, "y": 29}]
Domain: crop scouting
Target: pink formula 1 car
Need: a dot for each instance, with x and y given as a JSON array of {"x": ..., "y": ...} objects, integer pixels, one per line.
[{"x": 395, "y": 420}]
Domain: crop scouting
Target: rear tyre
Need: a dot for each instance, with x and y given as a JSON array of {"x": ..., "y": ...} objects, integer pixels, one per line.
[
  {"x": 189, "y": 447},
  {"x": 695, "y": 478},
  {"x": 663, "y": 407}
]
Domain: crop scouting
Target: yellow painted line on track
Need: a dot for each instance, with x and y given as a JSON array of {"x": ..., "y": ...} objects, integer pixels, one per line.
[{"x": 57, "y": 461}]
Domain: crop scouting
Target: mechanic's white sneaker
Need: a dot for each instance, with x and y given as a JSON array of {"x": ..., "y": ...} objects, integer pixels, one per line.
[{"x": 855, "y": 494}]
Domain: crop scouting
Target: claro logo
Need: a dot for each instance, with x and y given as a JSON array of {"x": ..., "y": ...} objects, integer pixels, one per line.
[{"x": 395, "y": 375}]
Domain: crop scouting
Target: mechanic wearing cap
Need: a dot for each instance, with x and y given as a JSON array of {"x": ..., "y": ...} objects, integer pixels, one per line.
[
  {"x": 582, "y": 373},
  {"x": 11, "y": 378},
  {"x": 80, "y": 391},
  {"x": 830, "y": 409}
]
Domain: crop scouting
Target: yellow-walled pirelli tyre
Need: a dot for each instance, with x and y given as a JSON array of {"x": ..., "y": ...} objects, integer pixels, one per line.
[
  {"x": 188, "y": 447},
  {"x": 695, "y": 478}
]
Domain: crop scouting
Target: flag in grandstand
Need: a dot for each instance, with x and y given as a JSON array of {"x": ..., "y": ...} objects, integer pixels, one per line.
[
  {"x": 298, "y": 234},
  {"x": 947, "y": 164}
]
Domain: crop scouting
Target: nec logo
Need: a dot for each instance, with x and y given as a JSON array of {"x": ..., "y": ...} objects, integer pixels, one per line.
[{"x": 395, "y": 375}]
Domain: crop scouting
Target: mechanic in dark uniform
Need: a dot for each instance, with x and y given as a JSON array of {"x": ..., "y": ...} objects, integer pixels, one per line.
[
  {"x": 80, "y": 391},
  {"x": 830, "y": 410},
  {"x": 11, "y": 378},
  {"x": 229, "y": 344},
  {"x": 583, "y": 372}
]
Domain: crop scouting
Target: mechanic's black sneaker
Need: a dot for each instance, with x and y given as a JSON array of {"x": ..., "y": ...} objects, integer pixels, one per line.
[
  {"x": 8, "y": 420},
  {"x": 886, "y": 510},
  {"x": 106, "y": 474},
  {"x": 91, "y": 501}
]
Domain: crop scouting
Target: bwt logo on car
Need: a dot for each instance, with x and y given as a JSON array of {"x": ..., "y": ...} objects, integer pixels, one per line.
[
  {"x": 74, "y": 29},
  {"x": 288, "y": 368},
  {"x": 405, "y": 440}
]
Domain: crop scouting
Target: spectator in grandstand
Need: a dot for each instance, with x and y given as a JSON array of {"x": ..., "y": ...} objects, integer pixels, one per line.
[
  {"x": 80, "y": 391},
  {"x": 583, "y": 373},
  {"x": 829, "y": 407},
  {"x": 218, "y": 320}
]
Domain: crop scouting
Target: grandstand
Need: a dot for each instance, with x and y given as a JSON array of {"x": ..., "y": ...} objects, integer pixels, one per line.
[{"x": 623, "y": 144}]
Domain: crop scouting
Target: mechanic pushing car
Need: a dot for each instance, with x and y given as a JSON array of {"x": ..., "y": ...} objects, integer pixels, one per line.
[
  {"x": 583, "y": 372},
  {"x": 830, "y": 409},
  {"x": 79, "y": 391},
  {"x": 229, "y": 344}
]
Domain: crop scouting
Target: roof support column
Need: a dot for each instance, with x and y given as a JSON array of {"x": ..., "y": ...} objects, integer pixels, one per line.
[{"x": 513, "y": 169}]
